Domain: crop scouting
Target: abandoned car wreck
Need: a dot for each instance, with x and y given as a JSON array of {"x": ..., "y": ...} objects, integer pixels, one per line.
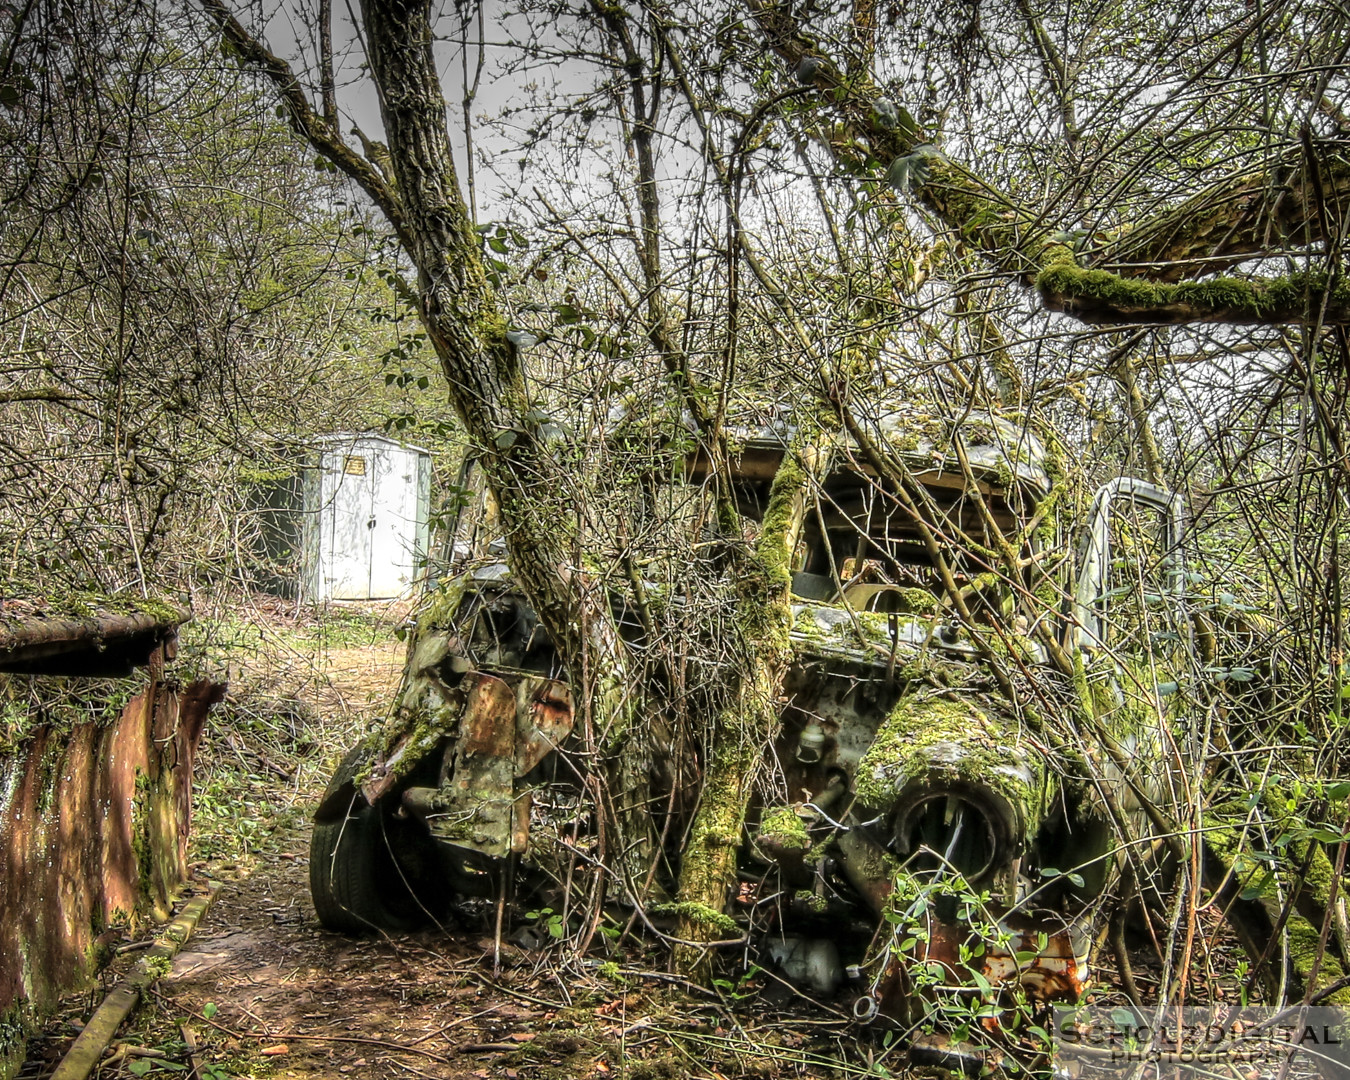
[{"x": 922, "y": 833}]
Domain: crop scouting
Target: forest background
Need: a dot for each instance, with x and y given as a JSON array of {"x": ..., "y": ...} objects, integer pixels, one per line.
[{"x": 1121, "y": 223}]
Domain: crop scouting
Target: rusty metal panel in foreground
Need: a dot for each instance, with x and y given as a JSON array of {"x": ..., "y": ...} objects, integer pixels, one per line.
[
  {"x": 543, "y": 717},
  {"x": 488, "y": 724}
]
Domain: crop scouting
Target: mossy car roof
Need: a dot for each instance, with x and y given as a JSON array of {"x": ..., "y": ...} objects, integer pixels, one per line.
[{"x": 1000, "y": 449}]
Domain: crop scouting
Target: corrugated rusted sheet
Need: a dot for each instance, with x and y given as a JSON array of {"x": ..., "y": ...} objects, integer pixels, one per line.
[{"x": 93, "y": 831}]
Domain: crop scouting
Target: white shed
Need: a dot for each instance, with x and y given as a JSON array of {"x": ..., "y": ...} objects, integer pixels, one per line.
[
  {"x": 352, "y": 523},
  {"x": 366, "y": 503}
]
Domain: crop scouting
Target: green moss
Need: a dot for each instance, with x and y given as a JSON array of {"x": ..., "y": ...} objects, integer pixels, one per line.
[
  {"x": 491, "y": 327},
  {"x": 782, "y": 827},
  {"x": 915, "y": 601},
  {"x": 16, "y": 1024},
  {"x": 440, "y": 606},
  {"x": 932, "y": 738},
  {"x": 47, "y": 769},
  {"x": 751, "y": 716},
  {"x": 816, "y": 904},
  {"x": 773, "y": 553},
  {"x": 1066, "y": 278},
  {"x": 1232, "y": 298},
  {"x": 156, "y": 967},
  {"x": 1303, "y": 943},
  {"x": 1301, "y": 852},
  {"x": 420, "y": 723},
  {"x": 701, "y": 915},
  {"x": 140, "y": 835}
]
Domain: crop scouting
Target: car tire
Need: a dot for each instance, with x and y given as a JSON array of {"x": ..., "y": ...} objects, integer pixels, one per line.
[{"x": 370, "y": 871}]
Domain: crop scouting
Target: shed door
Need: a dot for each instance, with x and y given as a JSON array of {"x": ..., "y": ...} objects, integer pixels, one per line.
[
  {"x": 393, "y": 515},
  {"x": 346, "y": 543}
]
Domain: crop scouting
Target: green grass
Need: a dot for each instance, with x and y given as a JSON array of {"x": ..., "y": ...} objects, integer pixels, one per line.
[{"x": 270, "y": 746}]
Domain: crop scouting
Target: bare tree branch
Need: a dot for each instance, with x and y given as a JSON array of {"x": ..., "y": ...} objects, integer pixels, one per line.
[{"x": 320, "y": 133}]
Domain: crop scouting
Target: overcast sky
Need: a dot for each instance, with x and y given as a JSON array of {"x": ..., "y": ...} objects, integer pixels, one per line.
[{"x": 288, "y": 32}]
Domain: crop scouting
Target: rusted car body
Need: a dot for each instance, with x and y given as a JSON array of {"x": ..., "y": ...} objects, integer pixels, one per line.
[{"x": 922, "y": 840}]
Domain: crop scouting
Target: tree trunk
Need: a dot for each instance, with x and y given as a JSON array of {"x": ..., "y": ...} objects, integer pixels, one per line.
[
  {"x": 748, "y": 723},
  {"x": 487, "y": 386}
]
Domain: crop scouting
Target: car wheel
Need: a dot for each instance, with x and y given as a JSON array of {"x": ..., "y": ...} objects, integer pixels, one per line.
[{"x": 371, "y": 871}]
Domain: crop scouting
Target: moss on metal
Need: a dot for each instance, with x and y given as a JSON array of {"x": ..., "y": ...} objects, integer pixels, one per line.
[
  {"x": 439, "y": 608},
  {"x": 64, "y": 603},
  {"x": 782, "y": 827},
  {"x": 926, "y": 738}
]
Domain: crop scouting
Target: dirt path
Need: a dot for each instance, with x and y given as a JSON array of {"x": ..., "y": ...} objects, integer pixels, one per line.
[
  {"x": 286, "y": 999},
  {"x": 339, "y": 1006},
  {"x": 267, "y": 993}
]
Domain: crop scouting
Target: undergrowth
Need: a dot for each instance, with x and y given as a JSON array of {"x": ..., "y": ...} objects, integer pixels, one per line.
[{"x": 305, "y": 684}]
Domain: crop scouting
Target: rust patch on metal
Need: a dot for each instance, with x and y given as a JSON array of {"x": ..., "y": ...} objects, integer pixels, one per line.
[
  {"x": 544, "y": 717},
  {"x": 488, "y": 725},
  {"x": 94, "y": 824},
  {"x": 520, "y": 824},
  {"x": 1049, "y": 973},
  {"x": 1054, "y": 971}
]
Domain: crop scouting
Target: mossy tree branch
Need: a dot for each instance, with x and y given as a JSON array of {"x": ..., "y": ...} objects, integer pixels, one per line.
[{"x": 1137, "y": 276}]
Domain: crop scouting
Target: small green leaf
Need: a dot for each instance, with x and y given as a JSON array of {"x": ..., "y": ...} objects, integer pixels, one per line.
[
  {"x": 1253, "y": 892},
  {"x": 505, "y": 439},
  {"x": 210, "y": 1009},
  {"x": 139, "y": 1067}
]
